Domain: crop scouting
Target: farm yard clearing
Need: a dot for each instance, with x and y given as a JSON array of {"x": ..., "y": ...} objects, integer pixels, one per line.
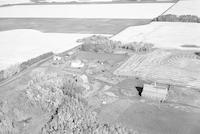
[
  {"x": 168, "y": 35},
  {"x": 119, "y": 11}
]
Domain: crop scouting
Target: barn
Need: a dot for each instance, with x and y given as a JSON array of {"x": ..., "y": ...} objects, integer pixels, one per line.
[{"x": 155, "y": 91}]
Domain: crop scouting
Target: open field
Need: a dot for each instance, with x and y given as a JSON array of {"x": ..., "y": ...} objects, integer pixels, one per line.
[
  {"x": 150, "y": 118},
  {"x": 186, "y": 7},
  {"x": 21, "y": 45},
  {"x": 160, "y": 120},
  {"x": 67, "y": 25},
  {"x": 163, "y": 34},
  {"x": 164, "y": 67},
  {"x": 119, "y": 11}
]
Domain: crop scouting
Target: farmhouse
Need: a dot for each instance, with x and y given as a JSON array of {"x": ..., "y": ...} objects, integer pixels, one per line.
[
  {"x": 155, "y": 91},
  {"x": 77, "y": 63}
]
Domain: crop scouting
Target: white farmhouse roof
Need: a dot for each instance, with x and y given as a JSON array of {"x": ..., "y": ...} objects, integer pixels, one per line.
[{"x": 77, "y": 64}]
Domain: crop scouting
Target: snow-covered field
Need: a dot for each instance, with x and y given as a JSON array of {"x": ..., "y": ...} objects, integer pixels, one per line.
[
  {"x": 184, "y": 7},
  {"x": 20, "y": 45},
  {"x": 78, "y": 0},
  {"x": 163, "y": 34},
  {"x": 116, "y": 11}
]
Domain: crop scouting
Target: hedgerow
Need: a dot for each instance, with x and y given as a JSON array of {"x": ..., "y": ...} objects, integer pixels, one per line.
[
  {"x": 104, "y": 44},
  {"x": 175, "y": 18}
]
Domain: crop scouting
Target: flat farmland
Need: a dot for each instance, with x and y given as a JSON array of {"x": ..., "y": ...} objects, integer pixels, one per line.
[
  {"x": 114, "y": 11},
  {"x": 69, "y": 25},
  {"x": 164, "y": 67},
  {"x": 152, "y": 119}
]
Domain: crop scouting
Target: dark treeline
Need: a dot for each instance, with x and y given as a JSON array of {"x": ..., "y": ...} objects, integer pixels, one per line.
[
  {"x": 104, "y": 44},
  {"x": 175, "y": 18},
  {"x": 30, "y": 62},
  {"x": 14, "y": 69}
]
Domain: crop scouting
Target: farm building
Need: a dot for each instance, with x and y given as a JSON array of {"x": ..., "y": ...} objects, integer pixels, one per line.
[
  {"x": 84, "y": 78},
  {"x": 56, "y": 58},
  {"x": 77, "y": 63},
  {"x": 155, "y": 91}
]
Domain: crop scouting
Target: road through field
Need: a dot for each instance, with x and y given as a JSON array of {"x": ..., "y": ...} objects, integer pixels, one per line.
[{"x": 114, "y": 11}]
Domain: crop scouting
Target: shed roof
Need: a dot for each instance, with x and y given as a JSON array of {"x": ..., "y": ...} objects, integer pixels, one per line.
[{"x": 77, "y": 63}]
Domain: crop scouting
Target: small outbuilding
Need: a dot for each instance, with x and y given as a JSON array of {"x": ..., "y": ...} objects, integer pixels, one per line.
[
  {"x": 57, "y": 58},
  {"x": 155, "y": 91},
  {"x": 84, "y": 78}
]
